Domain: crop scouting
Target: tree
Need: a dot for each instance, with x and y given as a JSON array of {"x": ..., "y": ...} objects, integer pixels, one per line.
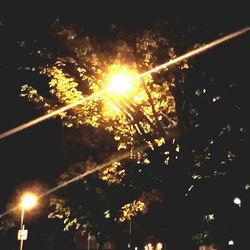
[{"x": 160, "y": 121}]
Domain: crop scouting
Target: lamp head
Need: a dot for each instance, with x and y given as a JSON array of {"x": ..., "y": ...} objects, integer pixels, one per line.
[{"x": 28, "y": 201}]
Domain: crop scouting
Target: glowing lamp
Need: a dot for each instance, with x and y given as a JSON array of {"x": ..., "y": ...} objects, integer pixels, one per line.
[
  {"x": 28, "y": 201},
  {"x": 120, "y": 83}
]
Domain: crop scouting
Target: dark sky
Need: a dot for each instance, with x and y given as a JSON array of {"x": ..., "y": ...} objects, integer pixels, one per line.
[{"x": 33, "y": 154}]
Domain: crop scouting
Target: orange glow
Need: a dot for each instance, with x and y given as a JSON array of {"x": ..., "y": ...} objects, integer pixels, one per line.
[
  {"x": 156, "y": 69},
  {"x": 28, "y": 201},
  {"x": 120, "y": 79}
]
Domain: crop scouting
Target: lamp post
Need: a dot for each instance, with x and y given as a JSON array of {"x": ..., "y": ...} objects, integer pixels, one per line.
[{"x": 28, "y": 201}]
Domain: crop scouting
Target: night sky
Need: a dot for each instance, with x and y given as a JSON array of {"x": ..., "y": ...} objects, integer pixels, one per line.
[{"x": 35, "y": 154}]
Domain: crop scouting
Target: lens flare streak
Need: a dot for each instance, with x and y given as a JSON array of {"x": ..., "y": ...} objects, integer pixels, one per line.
[
  {"x": 156, "y": 69},
  {"x": 79, "y": 177},
  {"x": 196, "y": 51},
  {"x": 45, "y": 117}
]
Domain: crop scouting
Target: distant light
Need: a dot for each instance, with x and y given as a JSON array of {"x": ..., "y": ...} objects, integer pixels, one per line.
[
  {"x": 148, "y": 247},
  {"x": 136, "y": 248},
  {"x": 209, "y": 217},
  {"x": 28, "y": 200},
  {"x": 159, "y": 246},
  {"x": 237, "y": 201},
  {"x": 107, "y": 214},
  {"x": 120, "y": 83},
  {"x": 231, "y": 242}
]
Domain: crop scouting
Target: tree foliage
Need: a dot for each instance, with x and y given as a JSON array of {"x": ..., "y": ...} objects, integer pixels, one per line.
[
  {"x": 145, "y": 116},
  {"x": 146, "y": 122}
]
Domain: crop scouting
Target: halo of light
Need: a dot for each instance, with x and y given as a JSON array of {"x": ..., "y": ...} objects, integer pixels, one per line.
[
  {"x": 28, "y": 200},
  {"x": 120, "y": 83}
]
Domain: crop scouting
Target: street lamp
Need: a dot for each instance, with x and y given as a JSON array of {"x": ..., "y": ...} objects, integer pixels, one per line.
[
  {"x": 120, "y": 83},
  {"x": 121, "y": 80},
  {"x": 28, "y": 201}
]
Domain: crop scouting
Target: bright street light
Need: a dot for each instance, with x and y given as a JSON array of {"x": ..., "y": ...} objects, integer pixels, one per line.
[
  {"x": 120, "y": 84},
  {"x": 28, "y": 201},
  {"x": 121, "y": 87},
  {"x": 121, "y": 80}
]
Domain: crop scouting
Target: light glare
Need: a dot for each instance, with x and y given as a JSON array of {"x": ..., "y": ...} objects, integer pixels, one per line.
[
  {"x": 28, "y": 201},
  {"x": 120, "y": 83}
]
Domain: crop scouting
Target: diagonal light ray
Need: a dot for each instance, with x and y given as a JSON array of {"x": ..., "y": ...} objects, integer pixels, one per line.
[
  {"x": 156, "y": 69},
  {"x": 46, "y": 116},
  {"x": 195, "y": 51},
  {"x": 81, "y": 176}
]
